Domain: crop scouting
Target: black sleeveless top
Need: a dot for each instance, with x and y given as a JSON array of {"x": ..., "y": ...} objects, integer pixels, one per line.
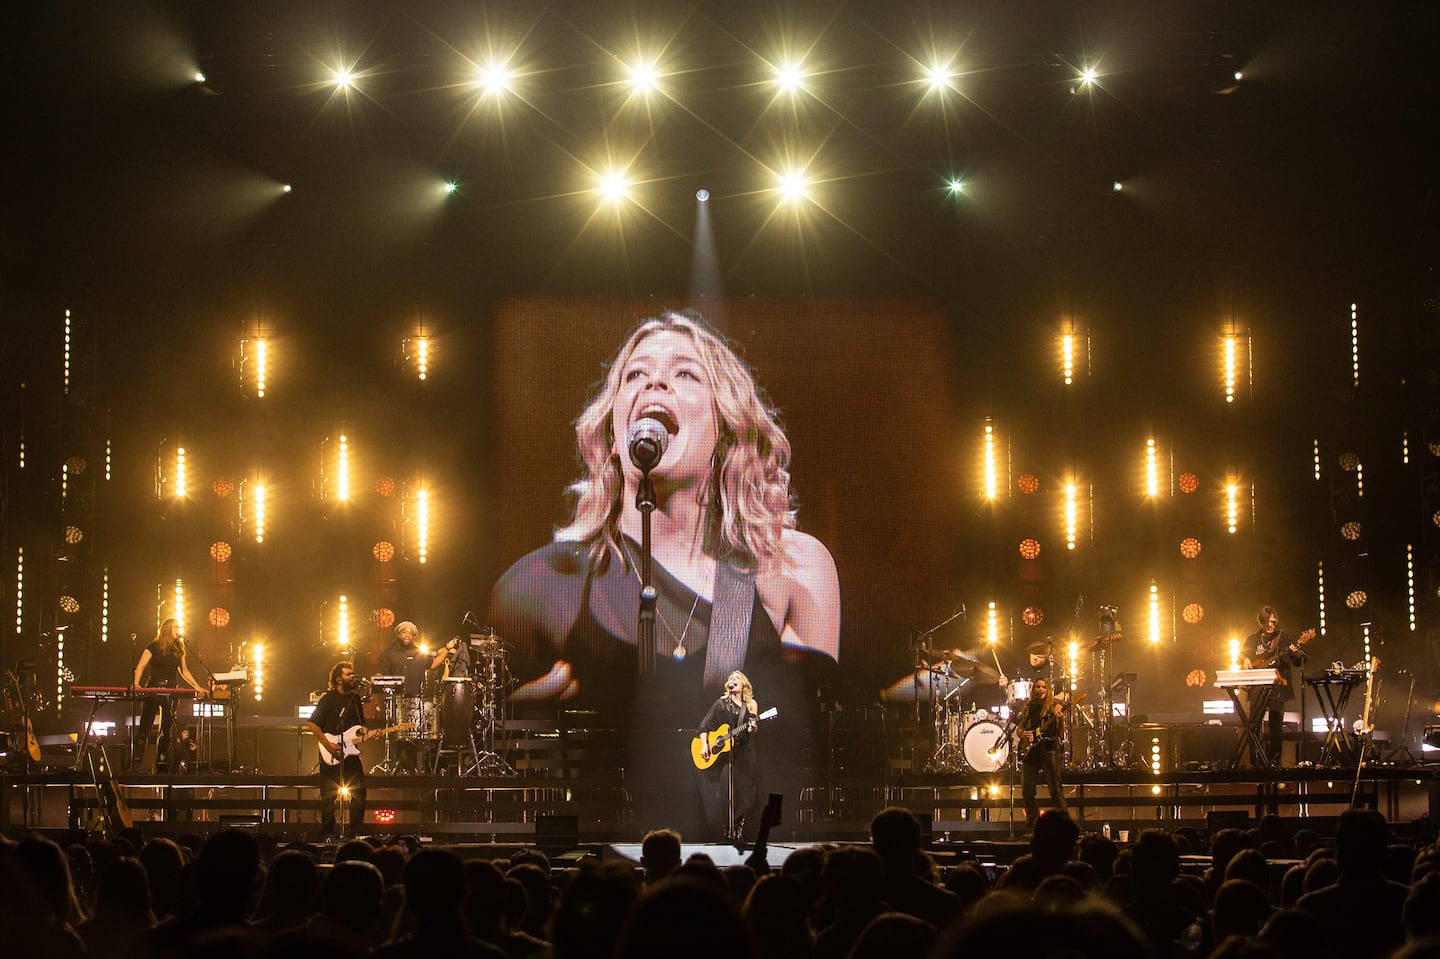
[{"x": 164, "y": 668}]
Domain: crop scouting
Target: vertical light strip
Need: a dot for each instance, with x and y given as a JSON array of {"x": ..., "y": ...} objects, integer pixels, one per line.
[
  {"x": 342, "y": 623},
  {"x": 1070, "y": 515},
  {"x": 1074, "y": 673},
  {"x": 1232, "y": 507},
  {"x": 343, "y": 469},
  {"x": 1355, "y": 344},
  {"x": 1234, "y": 653},
  {"x": 19, "y": 590},
  {"x": 422, "y": 517},
  {"x": 1365, "y": 638},
  {"x": 259, "y": 509},
  {"x": 989, "y": 481},
  {"x": 1316, "y": 457},
  {"x": 257, "y": 677},
  {"x": 1320, "y": 593},
  {"x": 1410, "y": 584},
  {"x": 992, "y": 624},
  {"x": 59, "y": 667},
  {"x": 65, "y": 372},
  {"x": 108, "y": 459},
  {"x": 1359, "y": 479},
  {"x": 179, "y": 489},
  {"x": 64, "y": 480},
  {"x": 1154, "y": 613},
  {"x": 1067, "y": 357},
  {"x": 422, "y": 357},
  {"x": 1152, "y": 473},
  {"x": 21, "y": 461},
  {"x": 180, "y": 605},
  {"x": 262, "y": 362},
  {"x": 1405, "y": 447},
  {"x": 104, "y": 604},
  {"x": 1230, "y": 347}
]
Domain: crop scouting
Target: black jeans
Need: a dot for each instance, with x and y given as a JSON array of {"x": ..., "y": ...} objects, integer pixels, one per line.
[
  {"x": 349, "y": 772},
  {"x": 1042, "y": 760}
]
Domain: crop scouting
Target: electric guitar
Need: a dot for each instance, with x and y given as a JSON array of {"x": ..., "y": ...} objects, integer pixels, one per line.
[
  {"x": 1274, "y": 660},
  {"x": 349, "y": 741},
  {"x": 1366, "y": 726},
  {"x": 20, "y": 726},
  {"x": 720, "y": 740}
]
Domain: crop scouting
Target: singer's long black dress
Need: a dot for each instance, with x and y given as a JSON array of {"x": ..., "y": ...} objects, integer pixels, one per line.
[{"x": 552, "y": 606}]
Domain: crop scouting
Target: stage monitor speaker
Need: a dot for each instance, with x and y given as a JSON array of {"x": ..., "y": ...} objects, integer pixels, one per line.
[
  {"x": 557, "y": 833},
  {"x": 1218, "y": 819}
]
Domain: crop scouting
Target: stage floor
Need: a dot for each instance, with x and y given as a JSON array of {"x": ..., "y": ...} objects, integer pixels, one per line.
[{"x": 570, "y": 811}]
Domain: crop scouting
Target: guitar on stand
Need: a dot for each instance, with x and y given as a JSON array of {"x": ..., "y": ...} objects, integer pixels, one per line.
[
  {"x": 1365, "y": 728},
  {"x": 17, "y": 719}
]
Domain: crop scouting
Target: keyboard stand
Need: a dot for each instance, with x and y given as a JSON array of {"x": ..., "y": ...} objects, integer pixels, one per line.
[
  {"x": 1249, "y": 732},
  {"x": 1332, "y": 708}
]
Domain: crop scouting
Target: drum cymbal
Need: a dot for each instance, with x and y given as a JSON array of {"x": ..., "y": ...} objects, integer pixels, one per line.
[{"x": 974, "y": 669}]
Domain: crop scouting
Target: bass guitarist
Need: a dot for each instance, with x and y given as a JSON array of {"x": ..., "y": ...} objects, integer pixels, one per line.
[
  {"x": 1266, "y": 647},
  {"x": 338, "y": 724}
]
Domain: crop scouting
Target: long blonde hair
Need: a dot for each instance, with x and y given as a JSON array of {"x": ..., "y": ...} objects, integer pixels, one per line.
[
  {"x": 747, "y": 692},
  {"x": 747, "y": 498},
  {"x": 167, "y": 638}
]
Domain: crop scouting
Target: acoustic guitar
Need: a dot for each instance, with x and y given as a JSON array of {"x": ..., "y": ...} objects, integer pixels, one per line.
[
  {"x": 349, "y": 741},
  {"x": 20, "y": 726},
  {"x": 720, "y": 740}
]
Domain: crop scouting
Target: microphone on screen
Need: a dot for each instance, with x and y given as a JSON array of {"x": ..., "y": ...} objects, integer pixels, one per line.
[{"x": 648, "y": 440}]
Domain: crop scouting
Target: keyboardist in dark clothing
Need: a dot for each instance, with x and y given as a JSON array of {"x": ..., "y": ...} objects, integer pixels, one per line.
[
  {"x": 165, "y": 660},
  {"x": 1270, "y": 646}
]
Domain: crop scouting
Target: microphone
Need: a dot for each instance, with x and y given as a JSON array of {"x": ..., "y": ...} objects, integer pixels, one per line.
[{"x": 648, "y": 440}]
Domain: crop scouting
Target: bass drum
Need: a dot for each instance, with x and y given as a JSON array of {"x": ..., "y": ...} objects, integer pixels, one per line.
[{"x": 985, "y": 747}]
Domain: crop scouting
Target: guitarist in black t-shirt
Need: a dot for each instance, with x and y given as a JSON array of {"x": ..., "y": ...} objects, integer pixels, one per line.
[{"x": 338, "y": 724}]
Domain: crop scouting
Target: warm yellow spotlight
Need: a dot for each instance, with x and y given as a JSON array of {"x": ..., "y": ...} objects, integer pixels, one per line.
[
  {"x": 938, "y": 77},
  {"x": 1234, "y": 653},
  {"x": 257, "y": 670},
  {"x": 451, "y": 187},
  {"x": 494, "y": 79},
  {"x": 793, "y": 186},
  {"x": 957, "y": 186},
  {"x": 422, "y": 525},
  {"x": 643, "y": 77},
  {"x": 199, "y": 77},
  {"x": 286, "y": 188},
  {"x": 992, "y": 624},
  {"x": 1232, "y": 507},
  {"x": 422, "y": 357},
  {"x": 790, "y": 76},
  {"x": 1088, "y": 75},
  {"x": 343, "y": 78},
  {"x": 614, "y": 187}
]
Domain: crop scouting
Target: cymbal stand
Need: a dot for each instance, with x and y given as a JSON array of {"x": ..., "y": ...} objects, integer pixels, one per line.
[
  {"x": 1099, "y": 752},
  {"x": 388, "y": 765},
  {"x": 947, "y": 755},
  {"x": 487, "y": 761}
]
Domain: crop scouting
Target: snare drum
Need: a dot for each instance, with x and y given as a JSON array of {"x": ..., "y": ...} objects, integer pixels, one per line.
[
  {"x": 421, "y": 712},
  {"x": 1019, "y": 689},
  {"x": 985, "y": 747},
  {"x": 457, "y": 709}
]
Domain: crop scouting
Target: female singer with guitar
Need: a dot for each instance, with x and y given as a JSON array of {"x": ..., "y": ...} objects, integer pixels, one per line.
[
  {"x": 1042, "y": 727},
  {"x": 728, "y": 788},
  {"x": 338, "y": 724}
]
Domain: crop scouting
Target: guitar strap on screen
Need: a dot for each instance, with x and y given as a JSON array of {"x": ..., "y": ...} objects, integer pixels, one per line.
[{"x": 729, "y": 623}]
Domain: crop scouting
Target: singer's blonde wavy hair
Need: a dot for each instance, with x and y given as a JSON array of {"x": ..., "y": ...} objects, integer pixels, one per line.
[{"x": 747, "y": 498}]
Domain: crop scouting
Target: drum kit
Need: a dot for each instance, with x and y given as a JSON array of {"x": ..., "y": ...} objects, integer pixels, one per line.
[
  {"x": 453, "y": 721},
  {"x": 975, "y": 716}
]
